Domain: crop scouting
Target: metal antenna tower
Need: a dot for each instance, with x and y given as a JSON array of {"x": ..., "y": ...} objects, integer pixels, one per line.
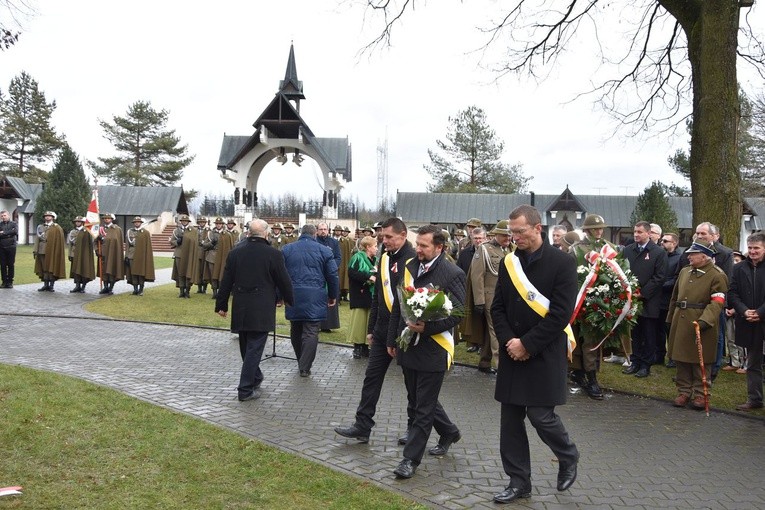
[{"x": 382, "y": 171}]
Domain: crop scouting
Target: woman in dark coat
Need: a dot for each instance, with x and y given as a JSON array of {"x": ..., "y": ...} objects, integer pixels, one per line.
[{"x": 362, "y": 277}]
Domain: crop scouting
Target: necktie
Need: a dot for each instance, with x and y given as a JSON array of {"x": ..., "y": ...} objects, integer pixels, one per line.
[{"x": 423, "y": 270}]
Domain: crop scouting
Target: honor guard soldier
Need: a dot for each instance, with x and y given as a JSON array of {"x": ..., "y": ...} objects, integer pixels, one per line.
[
  {"x": 185, "y": 257},
  {"x": 217, "y": 243},
  {"x": 367, "y": 231},
  {"x": 139, "y": 259},
  {"x": 111, "y": 251},
  {"x": 457, "y": 238},
  {"x": 231, "y": 228},
  {"x": 289, "y": 234},
  {"x": 346, "y": 251},
  {"x": 469, "y": 226},
  {"x": 83, "y": 265},
  {"x": 50, "y": 260},
  {"x": 275, "y": 237},
  {"x": 204, "y": 275}
]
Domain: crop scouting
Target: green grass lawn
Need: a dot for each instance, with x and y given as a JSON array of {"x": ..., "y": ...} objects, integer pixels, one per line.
[
  {"x": 25, "y": 265},
  {"x": 72, "y": 444}
]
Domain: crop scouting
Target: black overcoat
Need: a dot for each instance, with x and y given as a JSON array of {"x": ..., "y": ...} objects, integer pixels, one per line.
[
  {"x": 747, "y": 292},
  {"x": 427, "y": 355},
  {"x": 650, "y": 268},
  {"x": 254, "y": 273},
  {"x": 379, "y": 315},
  {"x": 540, "y": 380}
]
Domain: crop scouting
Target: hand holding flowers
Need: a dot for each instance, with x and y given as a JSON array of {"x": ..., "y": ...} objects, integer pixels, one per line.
[{"x": 418, "y": 306}]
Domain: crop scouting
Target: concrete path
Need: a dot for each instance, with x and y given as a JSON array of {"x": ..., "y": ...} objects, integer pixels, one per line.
[{"x": 636, "y": 452}]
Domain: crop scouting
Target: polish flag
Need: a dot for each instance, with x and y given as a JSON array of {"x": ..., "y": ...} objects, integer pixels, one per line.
[{"x": 92, "y": 219}]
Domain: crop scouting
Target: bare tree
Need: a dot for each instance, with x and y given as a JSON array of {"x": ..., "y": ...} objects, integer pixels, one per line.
[{"x": 678, "y": 50}]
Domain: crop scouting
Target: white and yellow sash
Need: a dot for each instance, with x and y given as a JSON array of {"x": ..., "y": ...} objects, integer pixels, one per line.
[
  {"x": 387, "y": 290},
  {"x": 444, "y": 339},
  {"x": 535, "y": 299}
]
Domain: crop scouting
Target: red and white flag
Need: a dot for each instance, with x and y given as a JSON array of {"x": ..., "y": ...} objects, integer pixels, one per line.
[{"x": 92, "y": 218}]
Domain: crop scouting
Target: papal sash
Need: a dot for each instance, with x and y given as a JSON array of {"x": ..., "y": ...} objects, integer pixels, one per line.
[
  {"x": 531, "y": 295},
  {"x": 387, "y": 290},
  {"x": 444, "y": 339}
]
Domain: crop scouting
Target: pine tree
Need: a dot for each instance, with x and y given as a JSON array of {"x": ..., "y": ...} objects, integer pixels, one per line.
[
  {"x": 26, "y": 135},
  {"x": 653, "y": 206},
  {"x": 469, "y": 161},
  {"x": 148, "y": 153},
  {"x": 67, "y": 191}
]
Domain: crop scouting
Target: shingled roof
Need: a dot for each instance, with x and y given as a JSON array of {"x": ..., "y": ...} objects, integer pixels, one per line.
[{"x": 141, "y": 200}]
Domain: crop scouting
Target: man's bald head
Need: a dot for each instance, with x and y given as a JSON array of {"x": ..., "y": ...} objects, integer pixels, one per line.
[{"x": 258, "y": 228}]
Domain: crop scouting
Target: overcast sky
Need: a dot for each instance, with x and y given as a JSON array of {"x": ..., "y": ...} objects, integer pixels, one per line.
[{"x": 216, "y": 65}]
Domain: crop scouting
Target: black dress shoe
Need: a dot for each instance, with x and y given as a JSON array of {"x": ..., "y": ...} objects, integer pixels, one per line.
[
  {"x": 353, "y": 432},
  {"x": 256, "y": 393},
  {"x": 444, "y": 443},
  {"x": 566, "y": 475},
  {"x": 511, "y": 494},
  {"x": 406, "y": 469},
  {"x": 671, "y": 364},
  {"x": 305, "y": 373},
  {"x": 488, "y": 370},
  {"x": 643, "y": 372},
  {"x": 632, "y": 369},
  {"x": 404, "y": 439}
]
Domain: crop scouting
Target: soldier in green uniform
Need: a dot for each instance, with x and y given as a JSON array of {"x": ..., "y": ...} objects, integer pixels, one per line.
[
  {"x": 585, "y": 362},
  {"x": 111, "y": 250},
  {"x": 346, "y": 251},
  {"x": 139, "y": 258},
  {"x": 233, "y": 231},
  {"x": 457, "y": 238},
  {"x": 185, "y": 256},
  {"x": 204, "y": 274},
  {"x": 698, "y": 296},
  {"x": 223, "y": 242},
  {"x": 83, "y": 268},
  {"x": 484, "y": 273},
  {"x": 276, "y": 238},
  {"x": 289, "y": 234},
  {"x": 48, "y": 251},
  {"x": 469, "y": 226}
]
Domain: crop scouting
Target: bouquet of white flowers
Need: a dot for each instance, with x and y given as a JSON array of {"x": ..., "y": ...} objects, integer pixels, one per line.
[{"x": 424, "y": 304}]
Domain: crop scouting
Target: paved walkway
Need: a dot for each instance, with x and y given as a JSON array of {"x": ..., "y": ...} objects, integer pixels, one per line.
[{"x": 636, "y": 452}]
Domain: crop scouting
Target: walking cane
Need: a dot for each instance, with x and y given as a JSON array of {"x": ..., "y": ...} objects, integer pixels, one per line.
[{"x": 701, "y": 362}]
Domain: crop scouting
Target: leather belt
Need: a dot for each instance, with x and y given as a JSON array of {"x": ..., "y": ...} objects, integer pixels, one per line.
[{"x": 685, "y": 304}]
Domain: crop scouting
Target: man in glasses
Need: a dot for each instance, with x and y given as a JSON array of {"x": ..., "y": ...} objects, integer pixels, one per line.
[{"x": 669, "y": 242}]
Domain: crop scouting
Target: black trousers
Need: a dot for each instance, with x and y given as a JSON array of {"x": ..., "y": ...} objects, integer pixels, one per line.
[
  {"x": 251, "y": 345},
  {"x": 514, "y": 442},
  {"x": 422, "y": 389},
  {"x": 7, "y": 261},
  {"x": 305, "y": 341},
  {"x": 644, "y": 342}
]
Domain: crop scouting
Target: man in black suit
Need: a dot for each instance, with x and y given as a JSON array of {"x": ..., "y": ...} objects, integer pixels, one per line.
[
  {"x": 648, "y": 263},
  {"x": 390, "y": 271},
  {"x": 533, "y": 331},
  {"x": 256, "y": 275},
  {"x": 430, "y": 353}
]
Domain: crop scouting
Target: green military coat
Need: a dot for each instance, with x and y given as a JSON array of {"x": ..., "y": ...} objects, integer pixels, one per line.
[
  {"x": 81, "y": 255},
  {"x": 140, "y": 255}
]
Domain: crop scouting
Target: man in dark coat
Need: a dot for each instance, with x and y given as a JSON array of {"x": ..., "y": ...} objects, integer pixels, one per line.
[
  {"x": 669, "y": 242},
  {"x": 648, "y": 263},
  {"x": 333, "y": 311},
  {"x": 9, "y": 233},
  {"x": 747, "y": 297},
  {"x": 530, "y": 327},
  {"x": 313, "y": 272},
  {"x": 390, "y": 273},
  {"x": 426, "y": 360},
  {"x": 256, "y": 276}
]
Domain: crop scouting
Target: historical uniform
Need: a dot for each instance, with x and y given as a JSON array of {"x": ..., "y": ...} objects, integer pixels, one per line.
[
  {"x": 469, "y": 226},
  {"x": 346, "y": 252},
  {"x": 289, "y": 234},
  {"x": 234, "y": 232},
  {"x": 139, "y": 259},
  {"x": 83, "y": 265},
  {"x": 204, "y": 271},
  {"x": 276, "y": 238},
  {"x": 111, "y": 250},
  {"x": 50, "y": 258},
  {"x": 698, "y": 296},
  {"x": 484, "y": 271},
  {"x": 585, "y": 363},
  {"x": 185, "y": 256},
  {"x": 217, "y": 244}
]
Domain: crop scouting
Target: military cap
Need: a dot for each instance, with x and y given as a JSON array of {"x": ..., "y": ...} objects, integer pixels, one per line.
[
  {"x": 184, "y": 217},
  {"x": 231, "y": 221},
  {"x": 473, "y": 222},
  {"x": 701, "y": 247},
  {"x": 138, "y": 218},
  {"x": 594, "y": 221},
  {"x": 337, "y": 228},
  {"x": 367, "y": 229},
  {"x": 289, "y": 225},
  {"x": 201, "y": 219},
  {"x": 459, "y": 232},
  {"x": 78, "y": 218},
  {"x": 103, "y": 215},
  {"x": 377, "y": 225},
  {"x": 346, "y": 229},
  {"x": 502, "y": 227},
  {"x": 219, "y": 220},
  {"x": 570, "y": 238},
  {"x": 51, "y": 214},
  {"x": 277, "y": 225}
]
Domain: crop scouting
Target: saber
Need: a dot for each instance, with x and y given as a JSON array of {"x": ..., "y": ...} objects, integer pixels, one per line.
[{"x": 703, "y": 370}]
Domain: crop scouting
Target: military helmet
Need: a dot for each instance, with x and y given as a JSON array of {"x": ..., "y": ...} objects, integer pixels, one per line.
[
  {"x": 231, "y": 221},
  {"x": 184, "y": 217},
  {"x": 78, "y": 218},
  {"x": 337, "y": 228},
  {"x": 570, "y": 239},
  {"x": 594, "y": 221},
  {"x": 51, "y": 214},
  {"x": 219, "y": 220},
  {"x": 289, "y": 225},
  {"x": 346, "y": 229},
  {"x": 138, "y": 218},
  {"x": 103, "y": 215},
  {"x": 502, "y": 227},
  {"x": 201, "y": 219},
  {"x": 473, "y": 222},
  {"x": 277, "y": 225},
  {"x": 459, "y": 232},
  {"x": 367, "y": 229}
]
